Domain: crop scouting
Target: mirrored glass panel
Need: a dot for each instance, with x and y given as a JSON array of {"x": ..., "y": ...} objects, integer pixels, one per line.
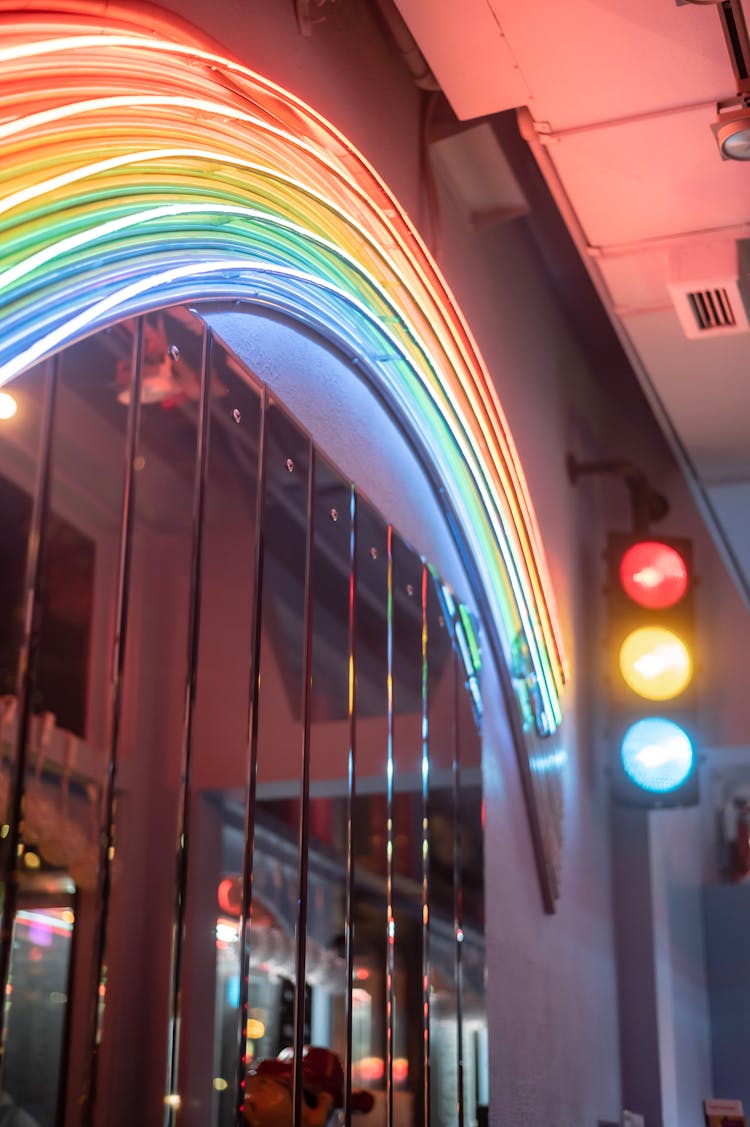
[
  {"x": 406, "y": 1062},
  {"x": 66, "y": 750},
  {"x": 370, "y": 811},
  {"x": 471, "y": 923},
  {"x": 137, "y": 1028},
  {"x": 442, "y": 897},
  {"x": 25, "y": 414},
  {"x": 249, "y": 763},
  {"x": 280, "y": 741},
  {"x": 210, "y": 1012},
  {"x": 41, "y": 981},
  {"x": 21, "y": 410},
  {"x": 330, "y": 738}
]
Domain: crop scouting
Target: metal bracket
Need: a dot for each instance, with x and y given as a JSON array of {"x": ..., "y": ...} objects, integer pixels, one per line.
[{"x": 646, "y": 504}]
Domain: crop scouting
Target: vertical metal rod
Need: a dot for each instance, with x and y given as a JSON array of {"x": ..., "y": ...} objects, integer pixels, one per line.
[
  {"x": 307, "y": 685},
  {"x": 390, "y": 917},
  {"x": 350, "y": 800},
  {"x": 252, "y": 745},
  {"x": 25, "y": 684},
  {"x": 107, "y": 838},
  {"x": 172, "y": 1100},
  {"x": 458, "y": 908},
  {"x": 425, "y": 856}
]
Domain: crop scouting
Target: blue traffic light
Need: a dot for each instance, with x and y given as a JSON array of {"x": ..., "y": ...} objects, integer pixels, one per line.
[{"x": 657, "y": 755}]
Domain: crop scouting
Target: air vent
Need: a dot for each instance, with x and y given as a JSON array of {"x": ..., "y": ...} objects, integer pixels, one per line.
[
  {"x": 709, "y": 287},
  {"x": 712, "y": 309}
]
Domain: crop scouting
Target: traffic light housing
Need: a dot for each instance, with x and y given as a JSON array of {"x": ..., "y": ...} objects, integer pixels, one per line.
[{"x": 651, "y": 645}]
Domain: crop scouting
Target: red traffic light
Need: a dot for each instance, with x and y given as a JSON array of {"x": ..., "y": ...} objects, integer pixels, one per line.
[{"x": 653, "y": 574}]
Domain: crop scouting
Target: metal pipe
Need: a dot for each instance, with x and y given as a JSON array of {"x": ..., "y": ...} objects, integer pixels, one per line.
[
  {"x": 730, "y": 232},
  {"x": 548, "y": 135},
  {"x": 407, "y": 46}
]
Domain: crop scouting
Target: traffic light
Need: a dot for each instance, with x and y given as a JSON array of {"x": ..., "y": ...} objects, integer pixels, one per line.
[{"x": 651, "y": 676}]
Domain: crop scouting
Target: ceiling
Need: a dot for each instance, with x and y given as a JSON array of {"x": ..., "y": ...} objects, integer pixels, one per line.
[{"x": 619, "y": 101}]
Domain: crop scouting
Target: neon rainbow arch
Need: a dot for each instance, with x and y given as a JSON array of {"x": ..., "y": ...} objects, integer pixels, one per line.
[{"x": 140, "y": 168}]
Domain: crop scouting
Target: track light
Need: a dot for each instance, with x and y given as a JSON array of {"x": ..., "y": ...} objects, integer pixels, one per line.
[{"x": 732, "y": 130}]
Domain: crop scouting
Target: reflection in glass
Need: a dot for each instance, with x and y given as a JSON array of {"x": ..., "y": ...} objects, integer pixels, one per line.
[
  {"x": 276, "y": 865},
  {"x": 137, "y": 982},
  {"x": 370, "y": 809},
  {"x": 19, "y": 455},
  {"x": 329, "y": 756},
  {"x": 66, "y": 750},
  {"x": 284, "y": 785},
  {"x": 443, "y": 1015},
  {"x": 220, "y": 767},
  {"x": 25, "y": 454},
  {"x": 405, "y": 1063},
  {"x": 470, "y": 814},
  {"x": 42, "y": 949}
]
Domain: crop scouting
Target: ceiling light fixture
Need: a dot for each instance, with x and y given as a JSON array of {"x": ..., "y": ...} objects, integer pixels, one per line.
[
  {"x": 732, "y": 126},
  {"x": 732, "y": 129}
]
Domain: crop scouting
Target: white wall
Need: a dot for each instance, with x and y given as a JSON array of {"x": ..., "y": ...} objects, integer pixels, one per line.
[{"x": 684, "y": 1028}]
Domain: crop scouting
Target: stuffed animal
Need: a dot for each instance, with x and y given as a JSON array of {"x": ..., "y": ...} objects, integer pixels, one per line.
[{"x": 268, "y": 1090}]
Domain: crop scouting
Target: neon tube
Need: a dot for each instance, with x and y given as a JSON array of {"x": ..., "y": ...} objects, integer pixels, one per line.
[{"x": 139, "y": 170}]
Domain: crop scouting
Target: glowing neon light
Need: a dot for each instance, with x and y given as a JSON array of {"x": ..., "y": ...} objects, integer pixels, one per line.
[
  {"x": 657, "y": 754},
  {"x": 8, "y": 405},
  {"x": 215, "y": 183}
]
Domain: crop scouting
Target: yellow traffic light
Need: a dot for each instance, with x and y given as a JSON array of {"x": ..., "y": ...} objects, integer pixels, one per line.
[{"x": 655, "y": 663}]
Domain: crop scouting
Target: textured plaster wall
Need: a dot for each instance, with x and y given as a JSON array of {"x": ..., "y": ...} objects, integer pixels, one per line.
[
  {"x": 684, "y": 1029},
  {"x": 727, "y": 923},
  {"x": 552, "y": 979}
]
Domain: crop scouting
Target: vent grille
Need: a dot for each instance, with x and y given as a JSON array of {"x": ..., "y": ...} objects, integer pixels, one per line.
[
  {"x": 712, "y": 309},
  {"x": 710, "y": 287}
]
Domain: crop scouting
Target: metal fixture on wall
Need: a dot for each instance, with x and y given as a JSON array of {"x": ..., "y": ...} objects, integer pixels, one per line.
[
  {"x": 649, "y": 667},
  {"x": 732, "y": 127},
  {"x": 646, "y": 504}
]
